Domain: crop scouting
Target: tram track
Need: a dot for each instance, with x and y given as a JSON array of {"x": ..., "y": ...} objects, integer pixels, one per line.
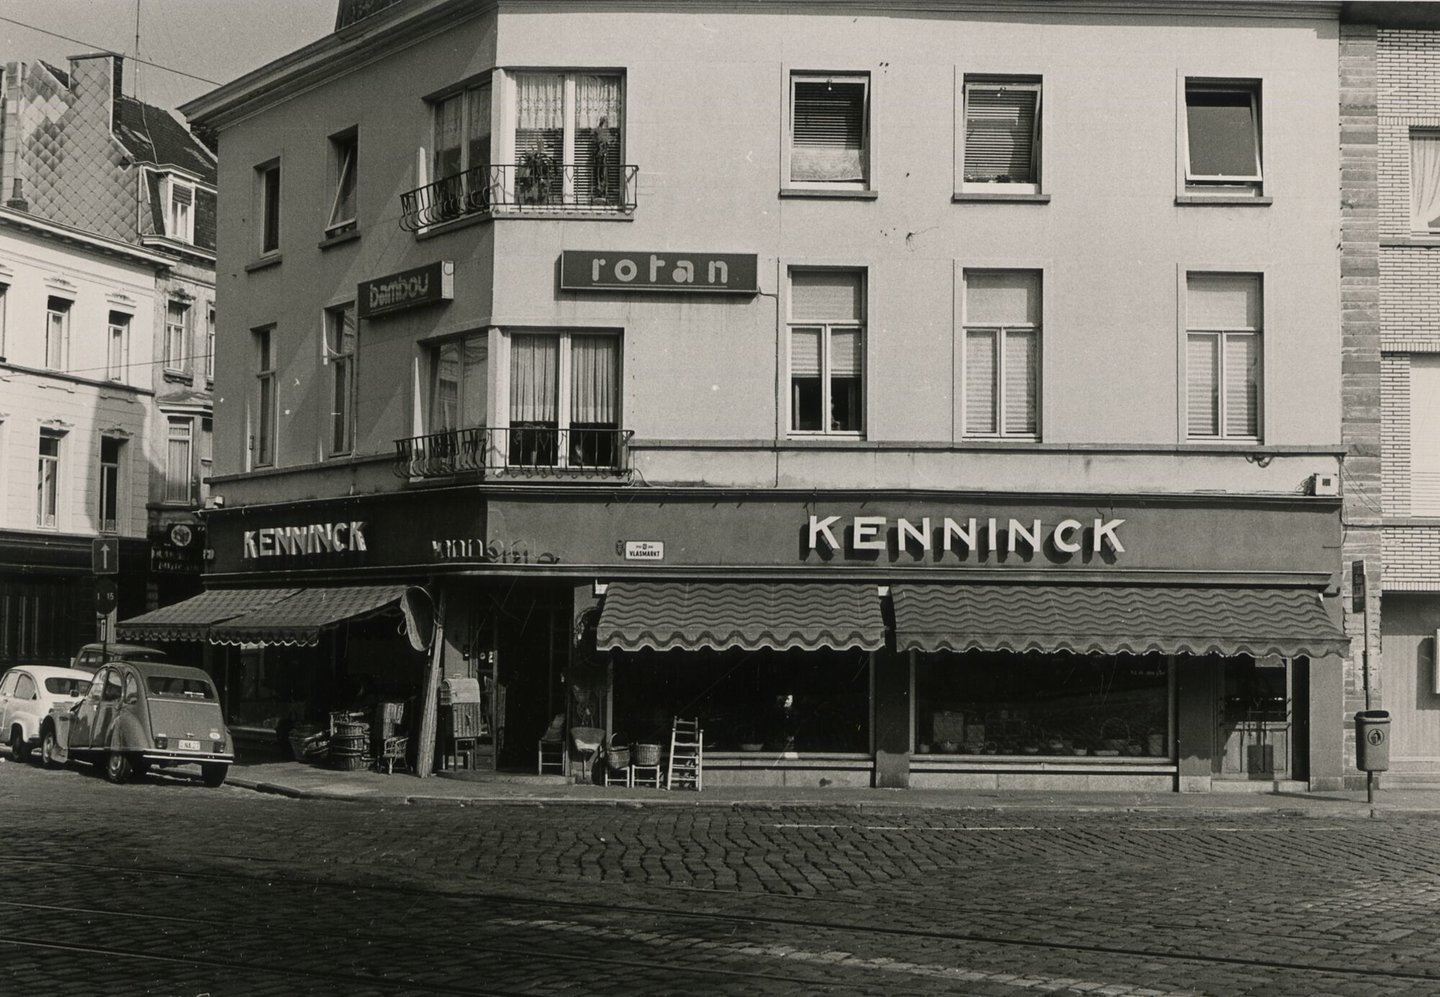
[{"x": 591, "y": 912}]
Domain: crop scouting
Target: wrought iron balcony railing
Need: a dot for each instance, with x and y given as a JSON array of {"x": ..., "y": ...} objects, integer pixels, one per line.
[
  {"x": 527, "y": 451},
  {"x": 537, "y": 187}
]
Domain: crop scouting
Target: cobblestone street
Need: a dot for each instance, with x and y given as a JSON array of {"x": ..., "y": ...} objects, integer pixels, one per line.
[{"x": 168, "y": 888}]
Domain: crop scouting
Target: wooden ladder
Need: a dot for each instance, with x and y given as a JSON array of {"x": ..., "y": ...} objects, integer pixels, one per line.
[{"x": 687, "y": 750}]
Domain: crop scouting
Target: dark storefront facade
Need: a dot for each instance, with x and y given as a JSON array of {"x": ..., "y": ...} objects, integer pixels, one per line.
[{"x": 910, "y": 639}]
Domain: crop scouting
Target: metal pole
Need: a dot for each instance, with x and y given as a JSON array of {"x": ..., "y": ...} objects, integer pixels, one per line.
[{"x": 1369, "y": 787}]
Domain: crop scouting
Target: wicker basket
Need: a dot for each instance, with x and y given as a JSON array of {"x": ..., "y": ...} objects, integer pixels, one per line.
[
  {"x": 647, "y": 754},
  {"x": 618, "y": 759},
  {"x": 349, "y": 763}
]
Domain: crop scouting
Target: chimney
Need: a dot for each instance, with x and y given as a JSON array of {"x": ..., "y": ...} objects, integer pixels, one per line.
[
  {"x": 17, "y": 197},
  {"x": 95, "y": 79}
]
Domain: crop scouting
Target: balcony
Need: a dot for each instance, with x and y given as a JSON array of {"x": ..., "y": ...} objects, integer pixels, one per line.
[
  {"x": 539, "y": 187},
  {"x": 524, "y": 452}
]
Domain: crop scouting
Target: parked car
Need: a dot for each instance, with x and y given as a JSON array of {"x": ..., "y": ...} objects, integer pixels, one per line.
[
  {"x": 92, "y": 656},
  {"x": 27, "y": 694},
  {"x": 142, "y": 713}
]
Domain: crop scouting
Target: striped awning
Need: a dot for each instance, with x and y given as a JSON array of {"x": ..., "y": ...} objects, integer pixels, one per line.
[
  {"x": 667, "y": 616},
  {"x": 299, "y": 619},
  {"x": 193, "y": 618},
  {"x": 1114, "y": 619}
]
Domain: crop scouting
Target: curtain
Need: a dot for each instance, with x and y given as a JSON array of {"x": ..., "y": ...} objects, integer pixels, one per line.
[
  {"x": 540, "y": 100},
  {"x": 1425, "y": 181},
  {"x": 534, "y": 375},
  {"x": 597, "y": 102},
  {"x": 594, "y": 377},
  {"x": 597, "y": 139}
]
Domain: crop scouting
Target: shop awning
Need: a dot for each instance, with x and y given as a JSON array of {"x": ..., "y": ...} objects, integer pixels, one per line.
[
  {"x": 1111, "y": 619},
  {"x": 299, "y": 619},
  {"x": 193, "y": 618},
  {"x": 667, "y": 616}
]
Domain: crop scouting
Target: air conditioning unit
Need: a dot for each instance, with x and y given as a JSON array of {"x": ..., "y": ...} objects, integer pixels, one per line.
[{"x": 1324, "y": 484}]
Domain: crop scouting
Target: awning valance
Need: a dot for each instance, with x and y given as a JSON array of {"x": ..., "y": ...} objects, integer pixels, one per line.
[
  {"x": 299, "y": 619},
  {"x": 193, "y": 618},
  {"x": 666, "y": 616},
  {"x": 1114, "y": 619}
]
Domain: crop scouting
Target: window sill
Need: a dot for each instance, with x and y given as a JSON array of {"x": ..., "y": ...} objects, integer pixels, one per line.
[
  {"x": 177, "y": 376},
  {"x": 842, "y": 194},
  {"x": 263, "y": 263},
  {"x": 960, "y": 197},
  {"x": 1419, "y": 240},
  {"x": 1223, "y": 200},
  {"x": 338, "y": 239}
]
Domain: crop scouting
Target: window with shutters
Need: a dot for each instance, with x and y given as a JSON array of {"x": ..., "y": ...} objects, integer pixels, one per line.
[
  {"x": 829, "y": 131},
  {"x": 1222, "y": 136},
  {"x": 826, "y": 351},
  {"x": 1002, "y": 135},
  {"x": 1001, "y": 355},
  {"x": 1224, "y": 319}
]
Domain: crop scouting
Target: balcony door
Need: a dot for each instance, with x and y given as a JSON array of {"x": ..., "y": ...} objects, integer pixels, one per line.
[{"x": 564, "y": 399}]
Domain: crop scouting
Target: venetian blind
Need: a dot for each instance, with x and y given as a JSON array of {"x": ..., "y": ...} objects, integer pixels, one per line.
[
  {"x": 827, "y": 296},
  {"x": 805, "y": 352},
  {"x": 980, "y": 380},
  {"x": 1242, "y": 411},
  {"x": 1000, "y": 133},
  {"x": 1202, "y": 385},
  {"x": 845, "y": 353},
  {"x": 1020, "y": 370},
  {"x": 1424, "y": 420},
  {"x": 829, "y": 131}
]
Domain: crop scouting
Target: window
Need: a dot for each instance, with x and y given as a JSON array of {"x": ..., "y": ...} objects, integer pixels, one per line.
[
  {"x": 177, "y": 335},
  {"x": 4, "y": 294},
  {"x": 568, "y": 138},
  {"x": 207, "y": 457},
  {"x": 1424, "y": 424},
  {"x": 564, "y": 399},
  {"x": 344, "y": 150},
  {"x": 1222, "y": 133},
  {"x": 1002, "y": 135},
  {"x": 111, "y": 689},
  {"x": 178, "y": 460},
  {"x": 1002, "y": 353},
  {"x": 829, "y": 130},
  {"x": 462, "y": 149},
  {"x": 267, "y": 189},
  {"x": 117, "y": 349},
  {"x": 340, "y": 353},
  {"x": 47, "y": 481},
  {"x": 24, "y": 687},
  {"x": 210, "y": 342},
  {"x": 826, "y": 349},
  {"x": 262, "y": 424},
  {"x": 179, "y": 209},
  {"x": 1425, "y": 179},
  {"x": 457, "y": 387},
  {"x": 1223, "y": 322},
  {"x": 110, "y": 448},
  {"x": 57, "y": 332}
]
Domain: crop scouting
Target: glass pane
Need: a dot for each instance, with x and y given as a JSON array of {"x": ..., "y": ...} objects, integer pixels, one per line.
[
  {"x": 845, "y": 404},
  {"x": 594, "y": 381},
  {"x": 1424, "y": 435},
  {"x": 805, "y": 352},
  {"x": 340, "y": 406},
  {"x": 1002, "y": 297},
  {"x": 445, "y": 399},
  {"x": 829, "y": 131},
  {"x": 980, "y": 381},
  {"x": 472, "y": 379},
  {"x": 1425, "y": 180},
  {"x": 999, "y": 134},
  {"x": 597, "y": 139},
  {"x": 1242, "y": 388},
  {"x": 265, "y": 437},
  {"x": 1223, "y": 301},
  {"x": 534, "y": 379},
  {"x": 1021, "y": 381},
  {"x": 1221, "y": 128},
  {"x": 1202, "y": 387},
  {"x": 827, "y": 296},
  {"x": 447, "y": 137}
]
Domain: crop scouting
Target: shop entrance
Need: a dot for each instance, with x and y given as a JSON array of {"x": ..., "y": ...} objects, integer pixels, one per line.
[{"x": 1255, "y": 731}]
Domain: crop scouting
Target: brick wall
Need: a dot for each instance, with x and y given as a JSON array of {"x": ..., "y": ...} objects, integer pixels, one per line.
[
  {"x": 1412, "y": 558},
  {"x": 1395, "y": 433}
]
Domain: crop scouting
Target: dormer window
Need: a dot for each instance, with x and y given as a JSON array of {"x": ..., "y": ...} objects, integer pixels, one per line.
[{"x": 179, "y": 201}]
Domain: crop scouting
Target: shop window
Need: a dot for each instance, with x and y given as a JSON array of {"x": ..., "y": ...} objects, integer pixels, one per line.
[
  {"x": 267, "y": 207},
  {"x": 1222, "y": 135},
  {"x": 262, "y": 417},
  {"x": 1001, "y": 703},
  {"x": 110, "y": 450},
  {"x": 340, "y": 344},
  {"x": 826, "y": 351},
  {"x": 1425, "y": 179},
  {"x": 57, "y": 332},
  {"x": 117, "y": 346},
  {"x": 177, "y": 336},
  {"x": 344, "y": 165},
  {"x": 1002, "y": 135},
  {"x": 564, "y": 399},
  {"x": 568, "y": 138},
  {"x": 829, "y": 130},
  {"x": 458, "y": 383},
  {"x": 1002, "y": 354},
  {"x": 1223, "y": 322},
  {"x": 757, "y": 701},
  {"x": 47, "y": 479},
  {"x": 179, "y": 456}
]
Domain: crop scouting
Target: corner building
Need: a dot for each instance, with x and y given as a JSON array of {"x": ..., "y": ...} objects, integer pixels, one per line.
[{"x": 946, "y": 399}]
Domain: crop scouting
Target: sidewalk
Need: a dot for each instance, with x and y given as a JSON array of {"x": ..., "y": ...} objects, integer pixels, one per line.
[{"x": 302, "y": 781}]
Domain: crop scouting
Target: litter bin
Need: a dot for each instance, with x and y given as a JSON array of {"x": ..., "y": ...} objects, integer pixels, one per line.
[{"x": 1372, "y": 741}]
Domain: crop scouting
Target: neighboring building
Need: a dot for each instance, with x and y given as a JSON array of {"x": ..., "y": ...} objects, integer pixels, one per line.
[
  {"x": 954, "y": 400},
  {"x": 107, "y": 239},
  {"x": 1390, "y": 102}
]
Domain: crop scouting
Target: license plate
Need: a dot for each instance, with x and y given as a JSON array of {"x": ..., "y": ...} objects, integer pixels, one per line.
[{"x": 189, "y": 745}]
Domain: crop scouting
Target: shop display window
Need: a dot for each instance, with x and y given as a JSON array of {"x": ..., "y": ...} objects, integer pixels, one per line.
[
  {"x": 752, "y": 701},
  {"x": 983, "y": 703}
]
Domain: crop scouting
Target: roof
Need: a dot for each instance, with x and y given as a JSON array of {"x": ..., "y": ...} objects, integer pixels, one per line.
[
  {"x": 51, "y": 671},
  {"x": 154, "y": 135},
  {"x": 1115, "y": 619},
  {"x": 165, "y": 668},
  {"x": 667, "y": 616}
]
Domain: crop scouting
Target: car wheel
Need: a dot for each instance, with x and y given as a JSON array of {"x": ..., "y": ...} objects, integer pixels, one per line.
[
  {"x": 117, "y": 766},
  {"x": 213, "y": 775},
  {"x": 49, "y": 749},
  {"x": 19, "y": 747}
]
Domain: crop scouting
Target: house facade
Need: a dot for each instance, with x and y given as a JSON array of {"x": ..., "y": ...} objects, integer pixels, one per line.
[
  {"x": 107, "y": 246},
  {"x": 949, "y": 399}
]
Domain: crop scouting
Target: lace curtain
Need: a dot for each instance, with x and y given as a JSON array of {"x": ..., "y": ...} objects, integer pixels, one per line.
[
  {"x": 534, "y": 373},
  {"x": 1425, "y": 181},
  {"x": 594, "y": 371}
]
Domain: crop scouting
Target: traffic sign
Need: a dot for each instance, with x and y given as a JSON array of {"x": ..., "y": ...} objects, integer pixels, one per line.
[
  {"x": 106, "y": 595},
  {"x": 105, "y": 555}
]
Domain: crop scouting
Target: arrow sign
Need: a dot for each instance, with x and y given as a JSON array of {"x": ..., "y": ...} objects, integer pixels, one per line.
[
  {"x": 105, "y": 556},
  {"x": 106, "y": 594}
]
